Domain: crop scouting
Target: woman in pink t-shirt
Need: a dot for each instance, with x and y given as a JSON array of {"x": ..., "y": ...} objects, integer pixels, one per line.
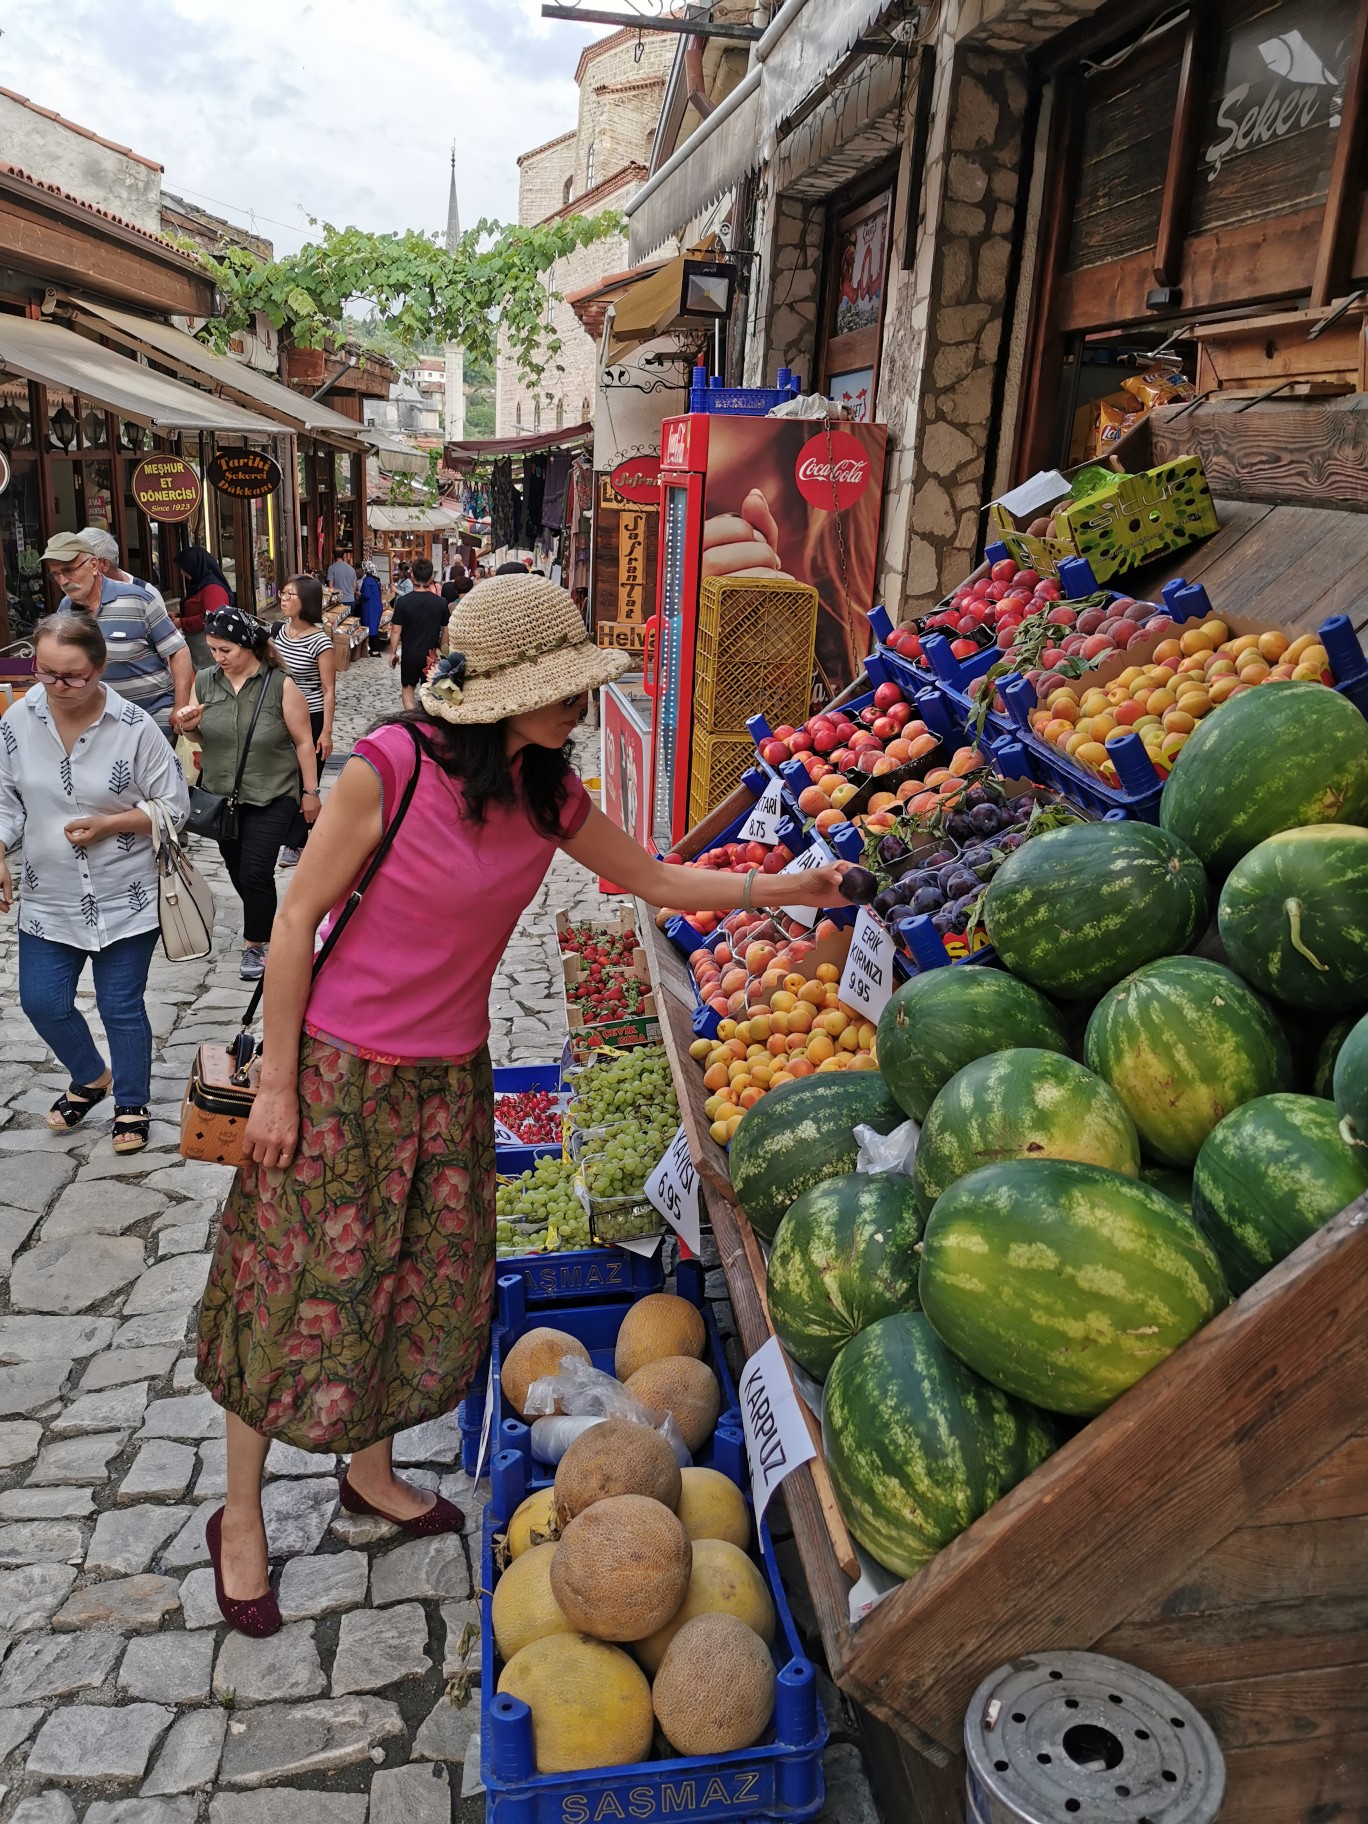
[{"x": 350, "y": 1291}]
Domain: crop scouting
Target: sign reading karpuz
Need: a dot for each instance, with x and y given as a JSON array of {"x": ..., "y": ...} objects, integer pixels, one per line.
[{"x": 777, "y": 1435}]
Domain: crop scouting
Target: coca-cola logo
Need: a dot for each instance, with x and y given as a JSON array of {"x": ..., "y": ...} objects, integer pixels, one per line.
[
  {"x": 638, "y": 480},
  {"x": 833, "y": 470},
  {"x": 675, "y": 453}
]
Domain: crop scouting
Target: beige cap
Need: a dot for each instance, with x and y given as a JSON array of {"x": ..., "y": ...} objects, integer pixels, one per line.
[
  {"x": 66, "y": 547},
  {"x": 524, "y": 645}
]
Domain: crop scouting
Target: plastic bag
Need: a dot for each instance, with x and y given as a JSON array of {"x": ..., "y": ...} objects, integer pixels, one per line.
[
  {"x": 893, "y": 1152},
  {"x": 552, "y": 1437},
  {"x": 582, "y": 1391}
]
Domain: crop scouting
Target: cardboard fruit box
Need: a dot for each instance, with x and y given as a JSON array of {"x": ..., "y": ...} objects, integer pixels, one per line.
[{"x": 1128, "y": 522}]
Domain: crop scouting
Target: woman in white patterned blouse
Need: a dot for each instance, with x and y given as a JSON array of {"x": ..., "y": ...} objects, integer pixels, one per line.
[{"x": 77, "y": 762}]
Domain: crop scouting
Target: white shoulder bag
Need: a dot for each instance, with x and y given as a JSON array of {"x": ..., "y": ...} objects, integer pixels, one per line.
[{"x": 185, "y": 900}]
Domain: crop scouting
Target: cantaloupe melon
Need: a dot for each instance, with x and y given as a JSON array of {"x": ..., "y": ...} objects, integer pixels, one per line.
[
  {"x": 685, "y": 1388},
  {"x": 711, "y": 1506},
  {"x": 590, "y": 1703},
  {"x": 523, "y": 1608},
  {"x": 621, "y": 1568},
  {"x": 533, "y": 1522},
  {"x": 723, "y": 1581},
  {"x": 534, "y": 1354},
  {"x": 714, "y": 1692},
  {"x": 615, "y": 1458},
  {"x": 658, "y": 1325}
]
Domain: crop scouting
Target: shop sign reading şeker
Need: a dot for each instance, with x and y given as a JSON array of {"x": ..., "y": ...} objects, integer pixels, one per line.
[
  {"x": 244, "y": 474},
  {"x": 167, "y": 489}
]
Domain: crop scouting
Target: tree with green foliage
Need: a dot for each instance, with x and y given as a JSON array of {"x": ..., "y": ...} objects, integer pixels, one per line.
[{"x": 493, "y": 286}]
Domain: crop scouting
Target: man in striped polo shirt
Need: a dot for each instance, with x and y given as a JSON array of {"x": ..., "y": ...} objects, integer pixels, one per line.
[{"x": 149, "y": 661}]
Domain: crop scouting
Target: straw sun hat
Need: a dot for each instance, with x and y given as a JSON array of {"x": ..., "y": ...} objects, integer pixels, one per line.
[{"x": 517, "y": 643}]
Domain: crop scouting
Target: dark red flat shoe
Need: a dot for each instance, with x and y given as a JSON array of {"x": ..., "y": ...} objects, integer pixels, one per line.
[
  {"x": 442, "y": 1517},
  {"x": 261, "y": 1616}
]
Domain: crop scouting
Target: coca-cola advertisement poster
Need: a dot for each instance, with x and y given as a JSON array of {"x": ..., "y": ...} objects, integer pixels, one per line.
[{"x": 794, "y": 497}]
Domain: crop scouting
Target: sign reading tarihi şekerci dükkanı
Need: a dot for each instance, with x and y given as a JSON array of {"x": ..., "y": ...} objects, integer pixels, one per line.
[
  {"x": 166, "y": 488},
  {"x": 244, "y": 474}
]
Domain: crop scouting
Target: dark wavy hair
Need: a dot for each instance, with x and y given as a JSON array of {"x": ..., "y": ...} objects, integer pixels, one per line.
[{"x": 476, "y": 754}]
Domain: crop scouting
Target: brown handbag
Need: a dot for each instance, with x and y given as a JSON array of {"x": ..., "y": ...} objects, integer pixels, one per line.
[{"x": 224, "y": 1079}]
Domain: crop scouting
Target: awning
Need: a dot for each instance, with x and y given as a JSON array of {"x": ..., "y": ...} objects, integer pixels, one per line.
[
  {"x": 470, "y": 450},
  {"x": 737, "y": 136},
  {"x": 172, "y": 345},
  {"x": 59, "y": 357},
  {"x": 413, "y": 519},
  {"x": 394, "y": 455},
  {"x": 645, "y": 301}
]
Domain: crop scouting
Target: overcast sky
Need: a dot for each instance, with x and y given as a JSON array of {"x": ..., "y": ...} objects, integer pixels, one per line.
[{"x": 341, "y": 109}]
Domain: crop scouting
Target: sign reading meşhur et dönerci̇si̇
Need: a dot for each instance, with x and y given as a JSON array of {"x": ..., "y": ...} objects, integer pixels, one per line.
[
  {"x": 244, "y": 474},
  {"x": 167, "y": 489}
]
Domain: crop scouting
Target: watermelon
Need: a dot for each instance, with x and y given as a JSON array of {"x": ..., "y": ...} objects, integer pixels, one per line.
[
  {"x": 1349, "y": 1084},
  {"x": 1293, "y": 916},
  {"x": 1327, "y": 1056},
  {"x": 945, "y": 1018},
  {"x": 1074, "y": 910},
  {"x": 1285, "y": 754},
  {"x": 1182, "y": 1042},
  {"x": 1064, "y": 1283},
  {"x": 1177, "y": 1185},
  {"x": 918, "y": 1446},
  {"x": 800, "y": 1134},
  {"x": 845, "y": 1255},
  {"x": 1024, "y": 1104},
  {"x": 1270, "y": 1175}
]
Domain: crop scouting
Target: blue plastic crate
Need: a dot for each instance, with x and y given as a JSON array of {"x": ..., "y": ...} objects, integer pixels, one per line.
[
  {"x": 741, "y": 401},
  {"x": 779, "y": 1779},
  {"x": 511, "y": 1161},
  {"x": 597, "y": 1326}
]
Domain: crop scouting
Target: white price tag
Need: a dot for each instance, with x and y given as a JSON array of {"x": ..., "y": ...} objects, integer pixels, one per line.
[
  {"x": 504, "y": 1136},
  {"x": 867, "y": 985},
  {"x": 672, "y": 1188},
  {"x": 763, "y": 823},
  {"x": 490, "y": 1399},
  {"x": 777, "y": 1436},
  {"x": 817, "y": 856}
]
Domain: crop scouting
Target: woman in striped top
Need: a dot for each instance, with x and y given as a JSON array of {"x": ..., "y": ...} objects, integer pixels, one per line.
[{"x": 305, "y": 650}]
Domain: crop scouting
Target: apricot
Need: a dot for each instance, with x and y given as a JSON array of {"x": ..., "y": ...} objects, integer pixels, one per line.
[
  {"x": 820, "y": 1048},
  {"x": 800, "y": 1067},
  {"x": 1272, "y": 645}
]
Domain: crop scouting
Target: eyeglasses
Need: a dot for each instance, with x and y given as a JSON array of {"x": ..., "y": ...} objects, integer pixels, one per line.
[
  {"x": 60, "y": 572},
  {"x": 285, "y": 594},
  {"x": 570, "y": 702},
  {"x": 62, "y": 680}
]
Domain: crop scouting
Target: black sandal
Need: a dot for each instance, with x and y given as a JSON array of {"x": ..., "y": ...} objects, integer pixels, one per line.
[
  {"x": 72, "y": 1107},
  {"x": 132, "y": 1129}
]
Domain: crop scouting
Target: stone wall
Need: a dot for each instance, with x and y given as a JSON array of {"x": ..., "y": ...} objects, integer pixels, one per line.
[
  {"x": 59, "y": 152},
  {"x": 542, "y": 177}
]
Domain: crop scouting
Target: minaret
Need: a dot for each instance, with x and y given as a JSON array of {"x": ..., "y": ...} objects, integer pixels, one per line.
[{"x": 455, "y": 354}]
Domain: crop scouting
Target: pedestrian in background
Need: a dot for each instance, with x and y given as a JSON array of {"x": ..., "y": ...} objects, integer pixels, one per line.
[
  {"x": 105, "y": 549},
  {"x": 149, "y": 663},
  {"x": 371, "y": 604},
  {"x": 77, "y": 766},
  {"x": 279, "y": 753},
  {"x": 305, "y": 650},
  {"x": 342, "y": 577},
  {"x": 206, "y": 590},
  {"x": 403, "y": 582},
  {"x": 459, "y": 582},
  {"x": 416, "y": 627}
]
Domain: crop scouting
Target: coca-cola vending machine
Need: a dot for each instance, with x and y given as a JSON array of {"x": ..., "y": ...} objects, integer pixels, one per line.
[{"x": 767, "y": 497}]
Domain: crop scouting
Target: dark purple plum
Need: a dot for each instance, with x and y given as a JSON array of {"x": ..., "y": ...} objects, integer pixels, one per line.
[
  {"x": 888, "y": 901},
  {"x": 859, "y": 886},
  {"x": 987, "y": 819},
  {"x": 928, "y": 899}
]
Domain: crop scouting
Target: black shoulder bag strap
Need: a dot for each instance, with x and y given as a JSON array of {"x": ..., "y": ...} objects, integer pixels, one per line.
[
  {"x": 244, "y": 1045},
  {"x": 251, "y": 730}
]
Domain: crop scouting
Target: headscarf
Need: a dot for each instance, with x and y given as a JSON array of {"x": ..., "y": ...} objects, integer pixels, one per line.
[
  {"x": 200, "y": 568},
  {"x": 242, "y": 629}
]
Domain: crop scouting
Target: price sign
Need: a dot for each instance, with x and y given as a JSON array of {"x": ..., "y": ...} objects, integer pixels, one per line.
[
  {"x": 763, "y": 823},
  {"x": 672, "y": 1188},
  {"x": 815, "y": 857},
  {"x": 777, "y": 1436},
  {"x": 867, "y": 985},
  {"x": 504, "y": 1136},
  {"x": 489, "y": 1399}
]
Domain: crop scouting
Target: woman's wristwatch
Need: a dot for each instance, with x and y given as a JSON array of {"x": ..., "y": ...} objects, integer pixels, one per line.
[{"x": 309, "y": 791}]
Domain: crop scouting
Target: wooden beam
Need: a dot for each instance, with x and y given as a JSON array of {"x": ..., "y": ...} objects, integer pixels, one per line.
[
  {"x": 60, "y": 247},
  {"x": 1180, "y": 174},
  {"x": 1344, "y": 197},
  {"x": 1044, "y": 337}
]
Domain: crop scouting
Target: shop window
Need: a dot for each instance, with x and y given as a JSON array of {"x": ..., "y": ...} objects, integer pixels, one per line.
[
  {"x": 21, "y": 542},
  {"x": 857, "y": 279}
]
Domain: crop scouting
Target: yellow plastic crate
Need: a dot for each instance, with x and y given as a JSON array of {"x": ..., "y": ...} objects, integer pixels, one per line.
[
  {"x": 718, "y": 761},
  {"x": 754, "y": 651}
]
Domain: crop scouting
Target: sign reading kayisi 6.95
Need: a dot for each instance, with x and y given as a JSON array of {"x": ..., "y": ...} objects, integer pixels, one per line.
[{"x": 167, "y": 489}]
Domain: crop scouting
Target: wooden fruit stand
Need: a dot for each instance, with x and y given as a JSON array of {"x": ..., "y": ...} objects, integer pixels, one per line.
[{"x": 1211, "y": 1527}]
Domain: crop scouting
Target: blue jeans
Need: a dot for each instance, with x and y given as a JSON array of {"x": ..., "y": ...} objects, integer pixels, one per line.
[{"x": 48, "y": 974}]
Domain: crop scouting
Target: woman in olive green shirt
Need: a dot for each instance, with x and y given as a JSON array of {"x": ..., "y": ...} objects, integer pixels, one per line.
[{"x": 280, "y": 778}]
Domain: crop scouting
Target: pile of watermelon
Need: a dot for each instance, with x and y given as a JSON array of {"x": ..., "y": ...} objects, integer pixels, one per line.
[{"x": 1161, "y": 1095}]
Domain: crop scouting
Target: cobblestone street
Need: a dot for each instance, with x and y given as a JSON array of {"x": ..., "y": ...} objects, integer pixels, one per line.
[{"x": 123, "y": 1698}]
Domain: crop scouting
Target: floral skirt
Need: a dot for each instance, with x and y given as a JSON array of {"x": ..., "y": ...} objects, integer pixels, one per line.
[{"x": 349, "y": 1296}]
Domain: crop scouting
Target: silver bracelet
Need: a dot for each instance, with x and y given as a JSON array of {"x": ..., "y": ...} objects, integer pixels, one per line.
[{"x": 746, "y": 905}]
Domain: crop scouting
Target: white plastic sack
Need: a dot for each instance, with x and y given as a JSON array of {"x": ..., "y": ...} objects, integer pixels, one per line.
[
  {"x": 582, "y": 1391},
  {"x": 895, "y": 1152}
]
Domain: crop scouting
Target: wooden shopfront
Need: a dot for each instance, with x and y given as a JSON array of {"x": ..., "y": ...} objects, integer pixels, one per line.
[{"x": 1204, "y": 200}]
